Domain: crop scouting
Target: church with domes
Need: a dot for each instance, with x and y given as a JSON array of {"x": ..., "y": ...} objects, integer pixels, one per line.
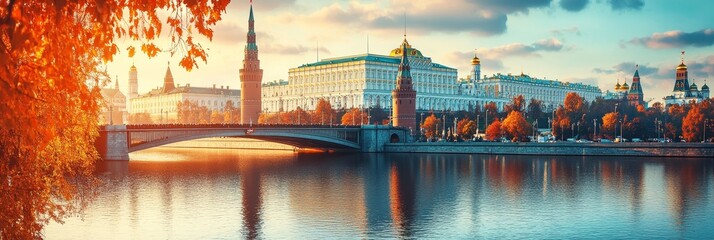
[{"x": 683, "y": 92}]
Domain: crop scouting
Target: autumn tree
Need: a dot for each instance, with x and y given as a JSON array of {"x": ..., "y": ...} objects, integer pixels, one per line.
[
  {"x": 354, "y": 116},
  {"x": 494, "y": 131},
  {"x": 460, "y": 125},
  {"x": 216, "y": 117},
  {"x": 52, "y": 56},
  {"x": 231, "y": 114},
  {"x": 693, "y": 122},
  {"x": 140, "y": 118},
  {"x": 609, "y": 125},
  {"x": 429, "y": 126},
  {"x": 323, "y": 114},
  {"x": 466, "y": 128},
  {"x": 517, "y": 104},
  {"x": 516, "y": 127}
]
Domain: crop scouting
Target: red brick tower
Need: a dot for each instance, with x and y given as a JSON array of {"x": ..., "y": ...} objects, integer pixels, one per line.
[
  {"x": 251, "y": 77},
  {"x": 404, "y": 96}
]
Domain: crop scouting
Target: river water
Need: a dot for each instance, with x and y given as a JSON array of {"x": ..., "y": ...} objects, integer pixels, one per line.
[{"x": 179, "y": 193}]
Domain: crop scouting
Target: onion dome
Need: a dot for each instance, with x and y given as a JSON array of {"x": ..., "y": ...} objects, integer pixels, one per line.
[
  {"x": 617, "y": 86},
  {"x": 693, "y": 87},
  {"x": 625, "y": 87},
  {"x": 682, "y": 67},
  {"x": 475, "y": 60},
  {"x": 132, "y": 67},
  {"x": 705, "y": 87}
]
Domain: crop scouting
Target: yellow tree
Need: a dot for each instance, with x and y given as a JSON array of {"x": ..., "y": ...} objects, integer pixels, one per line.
[
  {"x": 494, "y": 130},
  {"x": 516, "y": 127},
  {"x": 468, "y": 130},
  {"x": 429, "y": 125},
  {"x": 216, "y": 117},
  {"x": 609, "y": 124},
  {"x": 51, "y": 56},
  {"x": 460, "y": 125}
]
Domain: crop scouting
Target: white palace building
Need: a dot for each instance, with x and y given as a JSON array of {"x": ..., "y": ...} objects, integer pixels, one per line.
[{"x": 366, "y": 80}]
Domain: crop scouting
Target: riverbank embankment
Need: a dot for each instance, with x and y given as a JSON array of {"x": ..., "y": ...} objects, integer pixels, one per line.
[{"x": 694, "y": 150}]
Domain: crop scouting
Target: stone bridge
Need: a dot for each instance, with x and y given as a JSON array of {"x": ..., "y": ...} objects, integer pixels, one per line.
[{"x": 117, "y": 141}]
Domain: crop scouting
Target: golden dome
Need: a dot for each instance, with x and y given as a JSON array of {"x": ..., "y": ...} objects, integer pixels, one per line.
[
  {"x": 410, "y": 51},
  {"x": 617, "y": 86},
  {"x": 682, "y": 67},
  {"x": 625, "y": 87},
  {"x": 475, "y": 60}
]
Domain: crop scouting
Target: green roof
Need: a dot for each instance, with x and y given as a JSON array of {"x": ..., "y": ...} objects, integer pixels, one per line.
[{"x": 364, "y": 57}]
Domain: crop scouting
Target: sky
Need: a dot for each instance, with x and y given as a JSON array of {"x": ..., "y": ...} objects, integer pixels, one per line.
[{"x": 589, "y": 41}]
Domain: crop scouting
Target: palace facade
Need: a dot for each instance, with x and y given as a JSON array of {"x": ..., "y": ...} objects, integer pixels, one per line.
[
  {"x": 160, "y": 103},
  {"x": 363, "y": 81}
]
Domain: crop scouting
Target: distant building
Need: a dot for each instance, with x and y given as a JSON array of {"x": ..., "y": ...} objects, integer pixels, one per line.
[
  {"x": 632, "y": 94},
  {"x": 403, "y": 95},
  {"x": 114, "y": 109},
  {"x": 367, "y": 80},
  {"x": 133, "y": 83},
  {"x": 161, "y": 103},
  {"x": 550, "y": 92},
  {"x": 683, "y": 93}
]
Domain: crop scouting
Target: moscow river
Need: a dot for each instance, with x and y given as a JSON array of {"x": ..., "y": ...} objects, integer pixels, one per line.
[{"x": 180, "y": 193}]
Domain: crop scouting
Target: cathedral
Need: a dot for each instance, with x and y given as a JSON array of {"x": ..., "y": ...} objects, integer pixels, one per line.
[{"x": 683, "y": 92}]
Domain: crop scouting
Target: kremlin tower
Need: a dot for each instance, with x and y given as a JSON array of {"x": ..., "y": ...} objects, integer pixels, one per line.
[
  {"x": 133, "y": 82},
  {"x": 635, "y": 96},
  {"x": 168, "y": 81},
  {"x": 404, "y": 96},
  {"x": 681, "y": 84},
  {"x": 251, "y": 77},
  {"x": 476, "y": 68}
]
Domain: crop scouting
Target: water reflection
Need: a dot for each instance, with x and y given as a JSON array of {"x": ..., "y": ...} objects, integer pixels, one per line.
[{"x": 252, "y": 194}]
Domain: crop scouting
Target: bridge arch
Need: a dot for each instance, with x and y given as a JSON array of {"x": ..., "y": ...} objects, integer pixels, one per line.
[{"x": 301, "y": 140}]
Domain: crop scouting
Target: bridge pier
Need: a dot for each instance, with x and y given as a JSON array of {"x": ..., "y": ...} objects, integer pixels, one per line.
[
  {"x": 112, "y": 143},
  {"x": 374, "y": 137}
]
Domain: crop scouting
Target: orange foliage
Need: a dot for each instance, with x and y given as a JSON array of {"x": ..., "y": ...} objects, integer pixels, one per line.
[
  {"x": 323, "y": 112},
  {"x": 494, "y": 131},
  {"x": 430, "y": 124},
  {"x": 354, "y": 116},
  {"x": 51, "y": 53},
  {"x": 692, "y": 124},
  {"x": 609, "y": 124},
  {"x": 516, "y": 127}
]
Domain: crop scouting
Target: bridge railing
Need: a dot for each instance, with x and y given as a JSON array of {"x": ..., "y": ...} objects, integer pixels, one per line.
[{"x": 222, "y": 125}]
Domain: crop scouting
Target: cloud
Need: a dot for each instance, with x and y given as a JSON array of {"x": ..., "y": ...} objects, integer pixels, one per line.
[
  {"x": 229, "y": 33},
  {"x": 627, "y": 68},
  {"x": 262, "y": 5},
  {"x": 481, "y": 17},
  {"x": 626, "y": 4},
  {"x": 520, "y": 49},
  {"x": 561, "y": 32},
  {"x": 573, "y": 5},
  {"x": 675, "y": 39}
]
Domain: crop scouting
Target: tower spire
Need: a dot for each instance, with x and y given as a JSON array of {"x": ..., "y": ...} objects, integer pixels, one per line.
[
  {"x": 403, "y": 95},
  {"x": 251, "y": 76}
]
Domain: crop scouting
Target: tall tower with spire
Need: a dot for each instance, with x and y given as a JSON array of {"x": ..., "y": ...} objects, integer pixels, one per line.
[
  {"x": 404, "y": 96},
  {"x": 681, "y": 84},
  {"x": 133, "y": 82},
  {"x": 168, "y": 81},
  {"x": 475, "y": 68},
  {"x": 251, "y": 77},
  {"x": 635, "y": 96}
]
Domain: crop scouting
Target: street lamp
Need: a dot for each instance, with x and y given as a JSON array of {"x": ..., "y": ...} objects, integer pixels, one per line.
[{"x": 622, "y": 139}]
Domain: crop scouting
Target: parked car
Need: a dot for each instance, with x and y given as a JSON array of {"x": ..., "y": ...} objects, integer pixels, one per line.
[
  {"x": 605, "y": 140},
  {"x": 636, "y": 140}
]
